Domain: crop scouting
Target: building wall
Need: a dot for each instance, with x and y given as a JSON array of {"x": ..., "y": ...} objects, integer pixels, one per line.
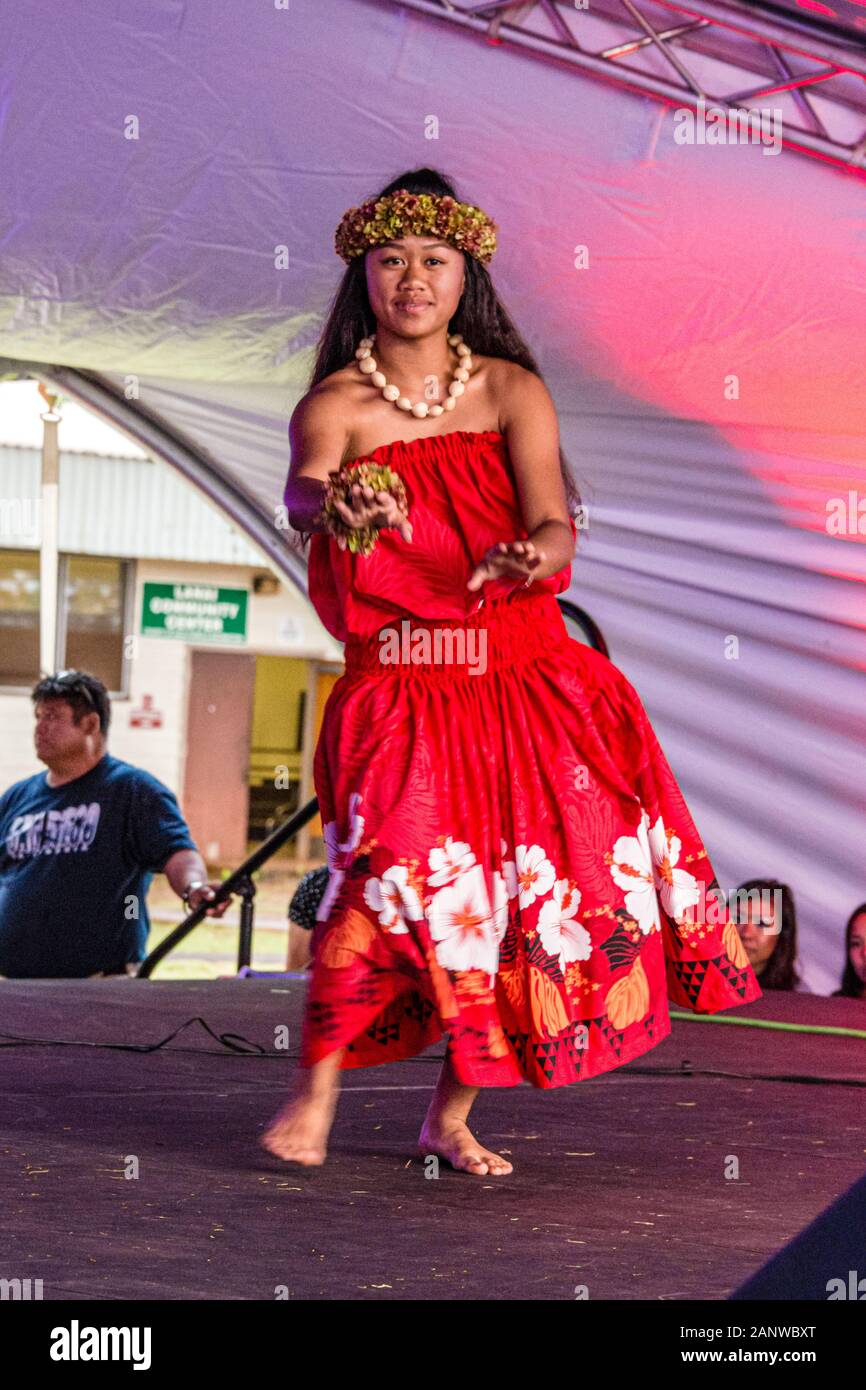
[{"x": 282, "y": 624}]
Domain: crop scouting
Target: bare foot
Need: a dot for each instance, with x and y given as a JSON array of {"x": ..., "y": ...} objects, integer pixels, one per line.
[
  {"x": 299, "y": 1133},
  {"x": 452, "y": 1140}
]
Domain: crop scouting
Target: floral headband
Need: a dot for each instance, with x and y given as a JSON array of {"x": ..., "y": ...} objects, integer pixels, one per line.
[{"x": 384, "y": 219}]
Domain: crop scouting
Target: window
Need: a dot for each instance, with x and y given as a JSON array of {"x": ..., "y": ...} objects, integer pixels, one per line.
[
  {"x": 93, "y": 605},
  {"x": 93, "y": 613},
  {"x": 19, "y": 617}
]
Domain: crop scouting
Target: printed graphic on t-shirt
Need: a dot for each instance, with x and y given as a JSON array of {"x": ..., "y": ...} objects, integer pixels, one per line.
[{"x": 70, "y": 831}]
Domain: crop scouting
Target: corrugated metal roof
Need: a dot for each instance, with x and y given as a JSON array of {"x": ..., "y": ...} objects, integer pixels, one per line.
[{"x": 136, "y": 508}]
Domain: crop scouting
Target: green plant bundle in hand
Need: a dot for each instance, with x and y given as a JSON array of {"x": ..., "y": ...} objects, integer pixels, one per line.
[{"x": 360, "y": 540}]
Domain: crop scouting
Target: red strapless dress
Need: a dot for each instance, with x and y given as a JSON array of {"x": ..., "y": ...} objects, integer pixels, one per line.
[{"x": 512, "y": 861}]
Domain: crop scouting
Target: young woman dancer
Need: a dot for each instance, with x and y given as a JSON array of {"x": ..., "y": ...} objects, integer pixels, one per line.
[{"x": 511, "y": 860}]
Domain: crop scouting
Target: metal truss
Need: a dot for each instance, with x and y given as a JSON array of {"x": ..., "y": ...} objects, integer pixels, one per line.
[{"x": 683, "y": 56}]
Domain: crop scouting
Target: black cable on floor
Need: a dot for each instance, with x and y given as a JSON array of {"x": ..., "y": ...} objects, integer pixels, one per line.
[
  {"x": 250, "y": 1048},
  {"x": 229, "y": 1041}
]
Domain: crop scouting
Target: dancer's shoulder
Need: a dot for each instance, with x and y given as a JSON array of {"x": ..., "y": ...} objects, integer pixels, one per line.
[
  {"x": 317, "y": 429},
  {"x": 516, "y": 389}
]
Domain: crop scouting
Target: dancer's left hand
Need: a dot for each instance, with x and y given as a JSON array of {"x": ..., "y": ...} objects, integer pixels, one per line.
[{"x": 509, "y": 559}]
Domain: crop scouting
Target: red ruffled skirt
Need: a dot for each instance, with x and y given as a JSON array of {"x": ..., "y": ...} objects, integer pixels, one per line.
[{"x": 512, "y": 861}]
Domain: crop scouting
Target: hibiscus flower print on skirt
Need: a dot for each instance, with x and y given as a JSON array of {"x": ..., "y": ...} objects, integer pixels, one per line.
[{"x": 512, "y": 862}]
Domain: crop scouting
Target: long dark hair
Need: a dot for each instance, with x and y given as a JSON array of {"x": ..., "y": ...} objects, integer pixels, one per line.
[
  {"x": 780, "y": 972},
  {"x": 852, "y": 986},
  {"x": 480, "y": 316}
]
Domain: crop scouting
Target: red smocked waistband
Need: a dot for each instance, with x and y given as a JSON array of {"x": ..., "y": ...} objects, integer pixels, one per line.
[{"x": 497, "y": 637}]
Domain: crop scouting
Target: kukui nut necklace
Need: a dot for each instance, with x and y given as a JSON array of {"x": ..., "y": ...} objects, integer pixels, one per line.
[{"x": 368, "y": 365}]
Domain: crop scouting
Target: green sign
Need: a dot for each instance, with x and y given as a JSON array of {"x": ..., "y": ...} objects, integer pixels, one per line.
[{"x": 194, "y": 612}]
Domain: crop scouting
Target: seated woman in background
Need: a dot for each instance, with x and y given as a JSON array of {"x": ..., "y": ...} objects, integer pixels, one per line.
[
  {"x": 854, "y": 974},
  {"x": 767, "y": 923}
]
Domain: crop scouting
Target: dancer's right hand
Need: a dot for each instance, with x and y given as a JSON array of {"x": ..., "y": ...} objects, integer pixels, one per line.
[{"x": 376, "y": 509}]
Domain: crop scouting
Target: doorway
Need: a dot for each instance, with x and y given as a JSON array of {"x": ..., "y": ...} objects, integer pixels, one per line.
[{"x": 216, "y": 778}]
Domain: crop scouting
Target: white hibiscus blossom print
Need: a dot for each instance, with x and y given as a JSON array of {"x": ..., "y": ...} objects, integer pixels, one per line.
[
  {"x": 394, "y": 900},
  {"x": 632, "y": 870},
  {"x": 340, "y": 855},
  {"x": 333, "y": 848},
  {"x": 465, "y": 928},
  {"x": 645, "y": 866},
  {"x": 449, "y": 861},
  {"x": 677, "y": 887},
  {"x": 561, "y": 935},
  {"x": 535, "y": 874}
]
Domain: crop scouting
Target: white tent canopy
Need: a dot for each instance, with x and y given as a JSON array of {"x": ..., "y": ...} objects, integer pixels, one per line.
[{"x": 706, "y": 352}]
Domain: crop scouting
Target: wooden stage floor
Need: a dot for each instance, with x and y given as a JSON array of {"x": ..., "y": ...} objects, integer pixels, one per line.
[{"x": 619, "y": 1184}]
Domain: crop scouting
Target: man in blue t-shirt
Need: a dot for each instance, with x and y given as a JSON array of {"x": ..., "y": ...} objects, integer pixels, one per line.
[{"x": 80, "y": 843}]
